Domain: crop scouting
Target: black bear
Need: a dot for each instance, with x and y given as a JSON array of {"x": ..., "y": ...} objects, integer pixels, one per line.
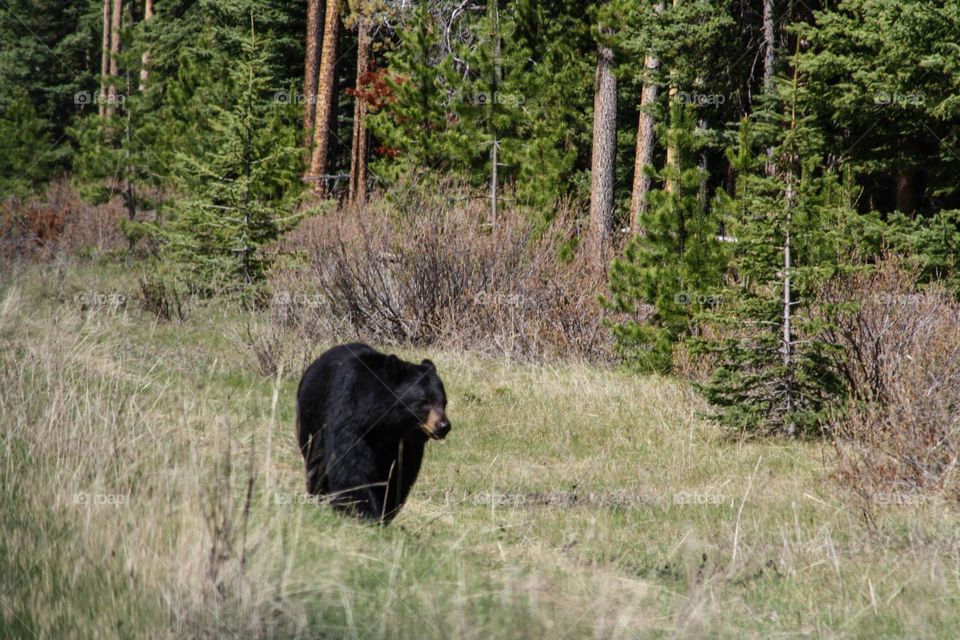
[{"x": 363, "y": 419}]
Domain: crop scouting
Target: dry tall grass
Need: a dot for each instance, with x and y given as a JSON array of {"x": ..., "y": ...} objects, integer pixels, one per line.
[{"x": 150, "y": 483}]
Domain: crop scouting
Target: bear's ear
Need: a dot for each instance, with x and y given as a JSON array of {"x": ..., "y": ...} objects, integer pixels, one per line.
[{"x": 428, "y": 364}]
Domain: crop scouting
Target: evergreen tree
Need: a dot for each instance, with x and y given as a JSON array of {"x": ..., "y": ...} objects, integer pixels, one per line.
[
  {"x": 544, "y": 108},
  {"x": 534, "y": 98},
  {"x": 23, "y": 165},
  {"x": 675, "y": 266},
  {"x": 50, "y": 54},
  {"x": 773, "y": 373},
  {"x": 238, "y": 196},
  {"x": 415, "y": 125},
  {"x": 881, "y": 81}
]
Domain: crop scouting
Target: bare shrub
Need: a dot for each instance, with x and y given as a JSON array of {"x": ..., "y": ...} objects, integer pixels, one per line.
[
  {"x": 900, "y": 430},
  {"x": 59, "y": 221},
  {"x": 441, "y": 277},
  {"x": 268, "y": 346},
  {"x": 161, "y": 297}
]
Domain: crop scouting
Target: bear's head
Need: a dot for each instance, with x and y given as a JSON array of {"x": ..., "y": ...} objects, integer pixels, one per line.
[{"x": 422, "y": 400}]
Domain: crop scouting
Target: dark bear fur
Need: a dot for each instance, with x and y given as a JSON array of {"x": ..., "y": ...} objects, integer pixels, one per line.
[{"x": 363, "y": 419}]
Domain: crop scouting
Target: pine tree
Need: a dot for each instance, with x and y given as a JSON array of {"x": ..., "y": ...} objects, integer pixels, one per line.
[
  {"x": 416, "y": 124},
  {"x": 882, "y": 79},
  {"x": 326, "y": 104},
  {"x": 672, "y": 269},
  {"x": 603, "y": 153},
  {"x": 22, "y": 168},
  {"x": 773, "y": 372},
  {"x": 544, "y": 105},
  {"x": 49, "y": 52},
  {"x": 238, "y": 196}
]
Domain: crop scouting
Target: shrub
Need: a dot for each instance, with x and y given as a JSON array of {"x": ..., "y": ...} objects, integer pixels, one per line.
[
  {"x": 900, "y": 359},
  {"x": 162, "y": 296},
  {"x": 441, "y": 277},
  {"x": 59, "y": 221}
]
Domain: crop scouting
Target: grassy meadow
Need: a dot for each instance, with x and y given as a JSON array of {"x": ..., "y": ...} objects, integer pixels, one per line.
[{"x": 150, "y": 486}]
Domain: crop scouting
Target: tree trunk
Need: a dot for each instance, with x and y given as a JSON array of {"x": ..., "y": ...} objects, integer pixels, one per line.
[
  {"x": 789, "y": 360},
  {"x": 787, "y": 341},
  {"x": 604, "y": 149},
  {"x": 494, "y": 18},
  {"x": 906, "y": 201},
  {"x": 358, "y": 155},
  {"x": 326, "y": 83},
  {"x": 769, "y": 43},
  {"x": 644, "y": 154},
  {"x": 673, "y": 154},
  {"x": 145, "y": 59},
  {"x": 104, "y": 59},
  {"x": 311, "y": 69},
  {"x": 115, "y": 23},
  {"x": 703, "y": 190}
]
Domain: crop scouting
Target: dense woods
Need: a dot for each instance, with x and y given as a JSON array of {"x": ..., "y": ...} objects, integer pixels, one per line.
[{"x": 725, "y": 159}]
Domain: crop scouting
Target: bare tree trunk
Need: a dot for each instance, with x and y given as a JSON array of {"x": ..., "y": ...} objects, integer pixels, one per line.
[
  {"x": 673, "y": 153},
  {"x": 644, "y": 154},
  {"x": 104, "y": 59},
  {"x": 768, "y": 44},
  {"x": 358, "y": 156},
  {"x": 769, "y": 41},
  {"x": 311, "y": 69},
  {"x": 145, "y": 59},
  {"x": 702, "y": 189},
  {"x": 326, "y": 83},
  {"x": 787, "y": 333},
  {"x": 906, "y": 191},
  {"x": 604, "y": 149},
  {"x": 494, "y": 18},
  {"x": 129, "y": 196},
  {"x": 115, "y": 23},
  {"x": 789, "y": 361}
]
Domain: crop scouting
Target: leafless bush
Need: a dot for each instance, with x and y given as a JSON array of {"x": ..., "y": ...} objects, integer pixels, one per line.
[
  {"x": 901, "y": 360},
  {"x": 269, "y": 347},
  {"x": 59, "y": 221},
  {"x": 160, "y": 296},
  {"x": 441, "y": 276}
]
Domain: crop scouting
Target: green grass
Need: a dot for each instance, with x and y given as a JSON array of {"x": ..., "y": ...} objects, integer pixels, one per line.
[{"x": 569, "y": 501}]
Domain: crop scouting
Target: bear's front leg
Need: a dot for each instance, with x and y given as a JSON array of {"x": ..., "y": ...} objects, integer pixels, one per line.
[{"x": 353, "y": 481}]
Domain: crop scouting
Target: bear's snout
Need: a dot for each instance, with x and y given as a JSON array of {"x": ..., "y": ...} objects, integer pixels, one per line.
[
  {"x": 436, "y": 425},
  {"x": 443, "y": 428}
]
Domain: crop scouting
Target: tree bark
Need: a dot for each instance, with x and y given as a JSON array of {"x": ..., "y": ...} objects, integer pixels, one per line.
[
  {"x": 769, "y": 43},
  {"x": 644, "y": 154},
  {"x": 673, "y": 153},
  {"x": 115, "y": 23},
  {"x": 604, "y": 149},
  {"x": 494, "y": 18},
  {"x": 358, "y": 155},
  {"x": 906, "y": 200},
  {"x": 104, "y": 59},
  {"x": 326, "y": 84},
  {"x": 145, "y": 58},
  {"x": 311, "y": 69}
]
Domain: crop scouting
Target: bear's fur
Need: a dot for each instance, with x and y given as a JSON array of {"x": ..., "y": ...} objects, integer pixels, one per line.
[{"x": 363, "y": 419}]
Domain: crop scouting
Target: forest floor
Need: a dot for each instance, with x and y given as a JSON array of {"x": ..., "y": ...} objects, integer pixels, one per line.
[{"x": 150, "y": 486}]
